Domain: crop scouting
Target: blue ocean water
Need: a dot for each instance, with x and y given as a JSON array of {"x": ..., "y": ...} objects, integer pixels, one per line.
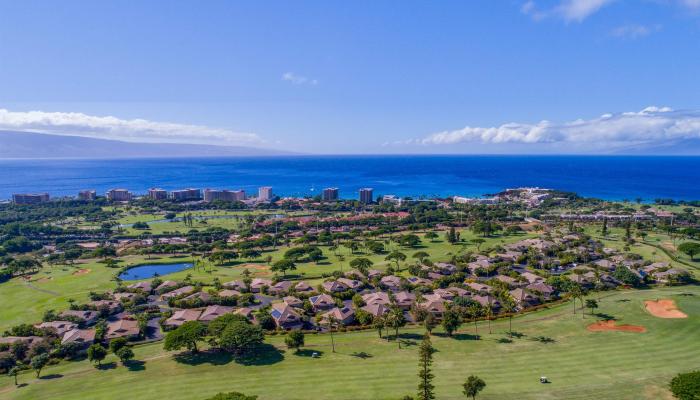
[{"x": 608, "y": 177}]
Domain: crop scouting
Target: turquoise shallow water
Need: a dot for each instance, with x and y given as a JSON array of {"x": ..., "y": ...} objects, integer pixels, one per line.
[{"x": 609, "y": 177}]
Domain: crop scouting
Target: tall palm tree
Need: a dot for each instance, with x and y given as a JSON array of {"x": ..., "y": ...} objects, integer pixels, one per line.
[{"x": 510, "y": 307}]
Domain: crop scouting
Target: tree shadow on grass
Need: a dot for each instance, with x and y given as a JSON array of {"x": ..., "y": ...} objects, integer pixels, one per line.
[
  {"x": 408, "y": 342},
  {"x": 606, "y": 317},
  {"x": 622, "y": 300},
  {"x": 504, "y": 340},
  {"x": 411, "y": 336},
  {"x": 107, "y": 366},
  {"x": 51, "y": 376},
  {"x": 308, "y": 353},
  {"x": 212, "y": 357},
  {"x": 516, "y": 334},
  {"x": 265, "y": 354},
  {"x": 21, "y": 385},
  {"x": 136, "y": 365},
  {"x": 466, "y": 336},
  {"x": 543, "y": 339},
  {"x": 361, "y": 354}
]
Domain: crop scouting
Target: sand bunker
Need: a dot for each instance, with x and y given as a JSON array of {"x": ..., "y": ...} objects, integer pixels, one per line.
[
  {"x": 255, "y": 266},
  {"x": 82, "y": 272},
  {"x": 664, "y": 308},
  {"x": 610, "y": 325}
]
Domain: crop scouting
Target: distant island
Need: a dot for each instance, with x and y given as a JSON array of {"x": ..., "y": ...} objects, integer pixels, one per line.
[{"x": 17, "y": 145}]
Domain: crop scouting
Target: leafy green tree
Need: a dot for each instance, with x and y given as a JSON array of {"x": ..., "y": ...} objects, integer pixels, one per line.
[
  {"x": 478, "y": 242},
  {"x": 429, "y": 322},
  {"x": 409, "y": 240},
  {"x": 283, "y": 265},
  {"x": 396, "y": 257},
  {"x": 425, "y": 360},
  {"x": 624, "y": 275},
  {"x": 451, "y": 235},
  {"x": 689, "y": 248},
  {"x": 379, "y": 324},
  {"x": 96, "y": 353},
  {"x": 362, "y": 264},
  {"x": 686, "y": 386},
  {"x": 294, "y": 339},
  {"x": 239, "y": 337},
  {"x": 117, "y": 344},
  {"x": 472, "y": 386},
  {"x": 420, "y": 255},
  {"x": 38, "y": 362},
  {"x": 13, "y": 372},
  {"x": 125, "y": 354},
  {"x": 431, "y": 235},
  {"x": 186, "y": 335},
  {"x": 451, "y": 321},
  {"x": 604, "y": 230},
  {"x": 220, "y": 323},
  {"x": 591, "y": 304}
]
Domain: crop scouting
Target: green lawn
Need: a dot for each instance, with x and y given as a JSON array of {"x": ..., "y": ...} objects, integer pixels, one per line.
[{"x": 580, "y": 364}]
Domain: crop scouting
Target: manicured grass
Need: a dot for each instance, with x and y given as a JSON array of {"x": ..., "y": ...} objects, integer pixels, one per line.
[{"x": 580, "y": 364}]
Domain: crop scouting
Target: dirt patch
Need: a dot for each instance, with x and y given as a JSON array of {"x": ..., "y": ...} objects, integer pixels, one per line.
[
  {"x": 664, "y": 308},
  {"x": 610, "y": 325},
  {"x": 258, "y": 267},
  {"x": 82, "y": 271},
  {"x": 257, "y": 270},
  {"x": 668, "y": 246}
]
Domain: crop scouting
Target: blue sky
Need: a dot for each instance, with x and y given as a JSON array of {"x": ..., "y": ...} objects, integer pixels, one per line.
[{"x": 358, "y": 77}]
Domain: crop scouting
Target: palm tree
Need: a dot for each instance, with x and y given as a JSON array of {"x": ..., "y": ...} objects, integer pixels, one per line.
[
  {"x": 489, "y": 313},
  {"x": 331, "y": 323},
  {"x": 575, "y": 293},
  {"x": 475, "y": 312},
  {"x": 510, "y": 307}
]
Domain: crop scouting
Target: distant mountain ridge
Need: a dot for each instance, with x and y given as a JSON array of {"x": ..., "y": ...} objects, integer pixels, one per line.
[{"x": 37, "y": 145}]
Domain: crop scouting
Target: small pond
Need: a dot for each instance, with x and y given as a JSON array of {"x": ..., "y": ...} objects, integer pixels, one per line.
[{"x": 150, "y": 270}]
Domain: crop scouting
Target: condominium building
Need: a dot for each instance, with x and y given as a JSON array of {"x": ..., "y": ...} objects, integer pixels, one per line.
[
  {"x": 393, "y": 199},
  {"x": 87, "y": 195},
  {"x": 223, "y": 195},
  {"x": 119, "y": 195},
  {"x": 186, "y": 194},
  {"x": 330, "y": 194},
  {"x": 366, "y": 195},
  {"x": 265, "y": 193},
  {"x": 157, "y": 194},
  {"x": 30, "y": 198}
]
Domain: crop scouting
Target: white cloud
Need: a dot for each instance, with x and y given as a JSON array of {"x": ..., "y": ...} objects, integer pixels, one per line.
[
  {"x": 578, "y": 10},
  {"x": 692, "y": 4},
  {"x": 649, "y": 127},
  {"x": 568, "y": 10},
  {"x": 298, "y": 79},
  {"x": 634, "y": 31},
  {"x": 134, "y": 130}
]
